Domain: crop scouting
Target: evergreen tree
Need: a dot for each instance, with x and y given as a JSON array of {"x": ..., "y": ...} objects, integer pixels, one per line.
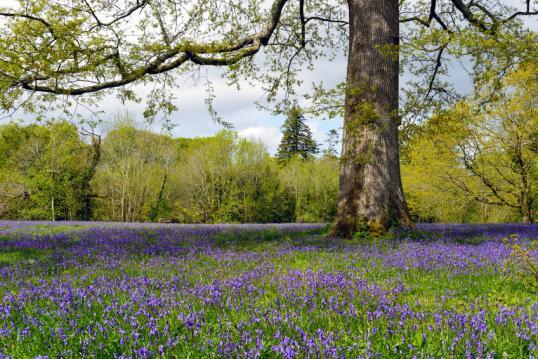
[{"x": 296, "y": 138}]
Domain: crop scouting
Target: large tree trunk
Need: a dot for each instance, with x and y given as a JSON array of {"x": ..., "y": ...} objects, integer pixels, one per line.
[{"x": 371, "y": 191}]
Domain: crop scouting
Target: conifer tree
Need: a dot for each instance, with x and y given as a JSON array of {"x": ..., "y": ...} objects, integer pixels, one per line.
[{"x": 296, "y": 138}]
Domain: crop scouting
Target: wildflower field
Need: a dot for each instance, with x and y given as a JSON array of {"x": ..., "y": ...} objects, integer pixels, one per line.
[{"x": 191, "y": 291}]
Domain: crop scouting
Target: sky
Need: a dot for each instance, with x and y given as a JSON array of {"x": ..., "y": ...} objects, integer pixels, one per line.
[
  {"x": 234, "y": 106},
  {"x": 238, "y": 107}
]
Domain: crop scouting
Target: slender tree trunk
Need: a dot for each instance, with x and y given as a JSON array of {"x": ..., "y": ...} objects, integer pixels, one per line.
[
  {"x": 122, "y": 201},
  {"x": 524, "y": 200},
  {"x": 113, "y": 204},
  {"x": 371, "y": 191},
  {"x": 244, "y": 206},
  {"x": 52, "y": 208}
]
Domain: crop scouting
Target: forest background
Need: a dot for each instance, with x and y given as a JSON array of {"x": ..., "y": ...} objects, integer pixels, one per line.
[{"x": 469, "y": 163}]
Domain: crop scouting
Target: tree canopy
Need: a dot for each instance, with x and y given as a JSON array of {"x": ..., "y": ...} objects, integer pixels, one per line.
[
  {"x": 45, "y": 171},
  {"x": 483, "y": 153},
  {"x": 72, "y": 48}
]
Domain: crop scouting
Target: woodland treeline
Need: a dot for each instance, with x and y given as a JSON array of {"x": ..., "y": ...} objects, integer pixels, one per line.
[
  {"x": 476, "y": 162},
  {"x": 144, "y": 176}
]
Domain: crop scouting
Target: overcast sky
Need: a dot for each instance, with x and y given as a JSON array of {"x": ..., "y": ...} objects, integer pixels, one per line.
[
  {"x": 235, "y": 106},
  {"x": 238, "y": 107}
]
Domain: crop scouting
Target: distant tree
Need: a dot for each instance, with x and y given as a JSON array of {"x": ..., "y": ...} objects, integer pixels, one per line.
[
  {"x": 313, "y": 186},
  {"x": 332, "y": 141},
  {"x": 228, "y": 179},
  {"x": 86, "y": 195},
  {"x": 131, "y": 173},
  {"x": 499, "y": 149},
  {"x": 296, "y": 138},
  {"x": 45, "y": 172},
  {"x": 155, "y": 209}
]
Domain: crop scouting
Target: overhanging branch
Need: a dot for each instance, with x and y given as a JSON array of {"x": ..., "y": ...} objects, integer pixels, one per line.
[{"x": 214, "y": 54}]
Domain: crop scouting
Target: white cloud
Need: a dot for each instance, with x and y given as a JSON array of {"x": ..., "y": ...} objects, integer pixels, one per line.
[{"x": 269, "y": 136}]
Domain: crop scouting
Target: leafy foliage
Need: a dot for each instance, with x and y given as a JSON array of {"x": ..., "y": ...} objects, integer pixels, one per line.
[
  {"x": 42, "y": 171},
  {"x": 478, "y": 159},
  {"x": 144, "y": 176}
]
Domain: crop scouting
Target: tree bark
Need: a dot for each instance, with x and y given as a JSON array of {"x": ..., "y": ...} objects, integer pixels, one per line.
[{"x": 371, "y": 193}]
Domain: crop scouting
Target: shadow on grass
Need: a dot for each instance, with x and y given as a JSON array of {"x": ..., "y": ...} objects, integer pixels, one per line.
[
  {"x": 419, "y": 235},
  {"x": 250, "y": 240},
  {"x": 22, "y": 255}
]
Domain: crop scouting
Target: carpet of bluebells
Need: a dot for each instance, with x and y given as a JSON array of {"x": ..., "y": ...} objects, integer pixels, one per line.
[{"x": 189, "y": 291}]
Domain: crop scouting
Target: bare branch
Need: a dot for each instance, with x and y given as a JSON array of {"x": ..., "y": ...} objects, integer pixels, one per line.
[
  {"x": 519, "y": 13},
  {"x": 140, "y": 4},
  {"x": 438, "y": 64},
  {"x": 432, "y": 15},
  {"x": 318, "y": 18},
  {"x": 470, "y": 16}
]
